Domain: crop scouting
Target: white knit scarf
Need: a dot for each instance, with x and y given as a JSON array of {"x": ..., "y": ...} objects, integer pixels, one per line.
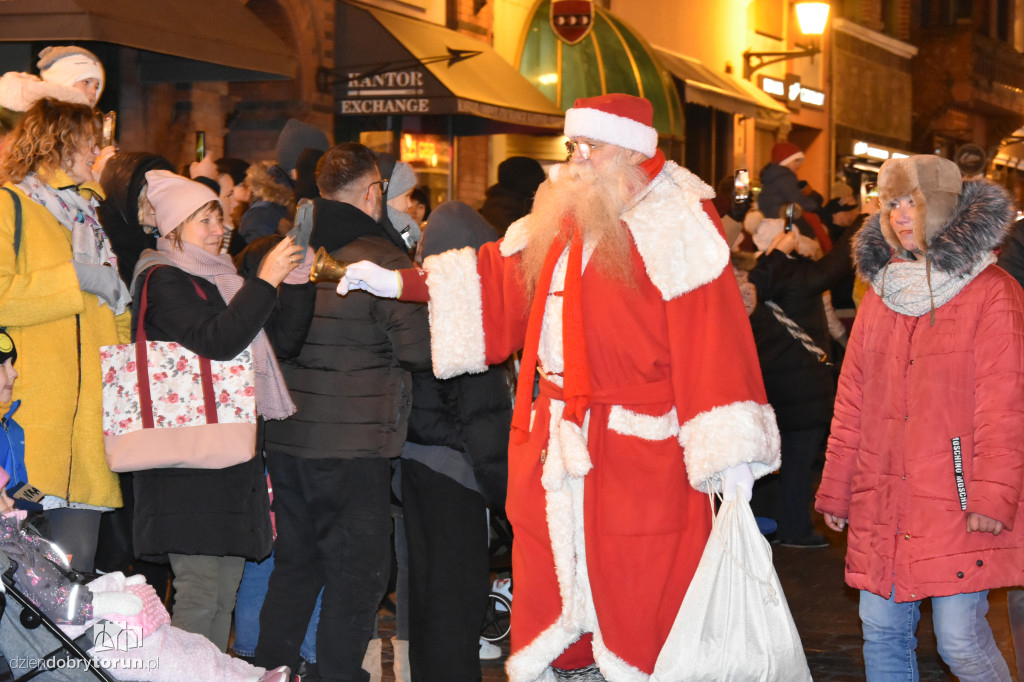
[
  {"x": 915, "y": 288},
  {"x": 272, "y": 398},
  {"x": 89, "y": 243}
]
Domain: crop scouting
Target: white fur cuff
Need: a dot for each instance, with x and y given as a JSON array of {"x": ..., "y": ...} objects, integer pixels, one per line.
[
  {"x": 456, "y": 313},
  {"x": 729, "y": 435}
]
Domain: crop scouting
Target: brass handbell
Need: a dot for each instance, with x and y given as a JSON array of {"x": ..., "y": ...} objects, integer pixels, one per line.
[{"x": 325, "y": 268}]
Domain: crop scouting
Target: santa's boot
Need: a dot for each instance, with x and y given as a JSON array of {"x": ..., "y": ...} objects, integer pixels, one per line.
[
  {"x": 401, "y": 667},
  {"x": 371, "y": 660}
]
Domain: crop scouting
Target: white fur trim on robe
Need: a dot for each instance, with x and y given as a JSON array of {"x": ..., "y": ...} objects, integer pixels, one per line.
[
  {"x": 669, "y": 227},
  {"x": 563, "y": 496},
  {"x": 624, "y": 421},
  {"x": 456, "y": 313},
  {"x": 729, "y": 435}
]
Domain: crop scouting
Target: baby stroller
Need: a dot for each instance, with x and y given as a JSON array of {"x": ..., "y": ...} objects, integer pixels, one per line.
[
  {"x": 498, "y": 618},
  {"x": 34, "y": 647}
]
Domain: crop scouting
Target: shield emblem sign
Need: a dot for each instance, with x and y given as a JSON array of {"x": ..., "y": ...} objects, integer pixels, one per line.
[{"x": 571, "y": 20}]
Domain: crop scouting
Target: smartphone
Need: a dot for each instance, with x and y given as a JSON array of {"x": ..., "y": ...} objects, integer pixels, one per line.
[
  {"x": 741, "y": 186},
  {"x": 303, "y": 227},
  {"x": 871, "y": 191},
  {"x": 789, "y": 217},
  {"x": 200, "y": 145},
  {"x": 109, "y": 129}
]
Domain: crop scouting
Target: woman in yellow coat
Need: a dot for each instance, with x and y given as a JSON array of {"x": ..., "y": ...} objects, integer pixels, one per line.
[{"x": 60, "y": 300}]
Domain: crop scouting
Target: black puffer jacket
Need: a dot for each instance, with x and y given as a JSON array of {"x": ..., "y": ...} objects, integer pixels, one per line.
[
  {"x": 123, "y": 177},
  {"x": 351, "y": 381},
  {"x": 470, "y": 413},
  {"x": 800, "y": 389},
  {"x": 221, "y": 512},
  {"x": 780, "y": 186}
]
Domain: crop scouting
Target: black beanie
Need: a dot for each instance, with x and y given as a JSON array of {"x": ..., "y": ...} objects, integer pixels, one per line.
[{"x": 7, "y": 349}]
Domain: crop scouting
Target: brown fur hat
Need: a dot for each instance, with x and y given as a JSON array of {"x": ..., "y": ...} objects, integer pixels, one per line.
[{"x": 932, "y": 182}]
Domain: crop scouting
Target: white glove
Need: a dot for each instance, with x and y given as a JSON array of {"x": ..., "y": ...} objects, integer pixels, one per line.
[
  {"x": 119, "y": 603},
  {"x": 737, "y": 479},
  {"x": 372, "y": 278}
]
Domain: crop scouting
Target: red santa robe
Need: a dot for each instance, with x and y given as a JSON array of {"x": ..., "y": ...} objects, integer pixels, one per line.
[{"x": 610, "y": 519}]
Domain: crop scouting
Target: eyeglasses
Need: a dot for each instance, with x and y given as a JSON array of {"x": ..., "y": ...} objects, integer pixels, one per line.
[
  {"x": 585, "y": 148},
  {"x": 383, "y": 187}
]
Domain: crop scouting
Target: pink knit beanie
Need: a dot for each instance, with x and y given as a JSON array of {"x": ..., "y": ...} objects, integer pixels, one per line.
[{"x": 174, "y": 198}]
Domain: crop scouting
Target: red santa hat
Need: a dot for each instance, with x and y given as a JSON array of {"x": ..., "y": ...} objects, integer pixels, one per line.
[
  {"x": 785, "y": 152},
  {"x": 623, "y": 120}
]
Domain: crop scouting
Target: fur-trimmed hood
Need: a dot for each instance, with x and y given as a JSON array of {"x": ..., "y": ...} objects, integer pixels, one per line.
[{"x": 979, "y": 224}]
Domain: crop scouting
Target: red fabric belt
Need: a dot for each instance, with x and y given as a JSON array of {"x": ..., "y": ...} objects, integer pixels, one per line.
[{"x": 640, "y": 394}]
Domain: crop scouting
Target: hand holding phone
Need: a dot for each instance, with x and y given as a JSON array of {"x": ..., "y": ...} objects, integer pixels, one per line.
[
  {"x": 741, "y": 186},
  {"x": 789, "y": 217},
  {"x": 303, "y": 227},
  {"x": 109, "y": 138},
  {"x": 200, "y": 145}
]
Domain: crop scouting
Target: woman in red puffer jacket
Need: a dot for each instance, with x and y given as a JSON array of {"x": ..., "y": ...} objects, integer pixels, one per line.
[{"x": 926, "y": 457}]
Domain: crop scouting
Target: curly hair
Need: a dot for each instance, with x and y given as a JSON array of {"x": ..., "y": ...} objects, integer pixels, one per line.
[
  {"x": 47, "y": 136},
  {"x": 269, "y": 182}
]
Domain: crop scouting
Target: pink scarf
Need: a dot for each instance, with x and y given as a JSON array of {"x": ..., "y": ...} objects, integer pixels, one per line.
[{"x": 272, "y": 398}]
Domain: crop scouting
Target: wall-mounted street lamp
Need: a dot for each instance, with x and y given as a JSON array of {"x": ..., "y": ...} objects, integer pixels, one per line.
[{"x": 812, "y": 17}]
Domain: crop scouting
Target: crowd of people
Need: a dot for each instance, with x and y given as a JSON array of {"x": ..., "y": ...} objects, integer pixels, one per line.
[{"x": 592, "y": 352}]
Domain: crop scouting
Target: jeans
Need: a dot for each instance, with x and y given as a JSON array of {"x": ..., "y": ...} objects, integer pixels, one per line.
[
  {"x": 964, "y": 638},
  {"x": 251, "y": 594}
]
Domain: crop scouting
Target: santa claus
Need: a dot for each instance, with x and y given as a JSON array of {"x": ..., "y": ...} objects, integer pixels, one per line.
[{"x": 618, "y": 291}]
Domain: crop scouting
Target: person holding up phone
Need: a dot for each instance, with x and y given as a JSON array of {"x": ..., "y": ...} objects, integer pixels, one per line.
[
  {"x": 780, "y": 185},
  {"x": 732, "y": 202}
]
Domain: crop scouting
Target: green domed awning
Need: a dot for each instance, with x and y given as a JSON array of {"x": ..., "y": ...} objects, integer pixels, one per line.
[{"x": 611, "y": 58}]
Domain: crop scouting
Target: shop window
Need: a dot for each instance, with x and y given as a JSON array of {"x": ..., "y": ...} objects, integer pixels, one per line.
[{"x": 429, "y": 156}]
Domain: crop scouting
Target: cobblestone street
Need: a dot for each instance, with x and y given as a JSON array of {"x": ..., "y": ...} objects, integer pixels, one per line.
[{"x": 825, "y": 611}]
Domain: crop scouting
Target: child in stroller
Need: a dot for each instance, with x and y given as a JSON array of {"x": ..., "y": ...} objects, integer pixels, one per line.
[{"x": 135, "y": 640}]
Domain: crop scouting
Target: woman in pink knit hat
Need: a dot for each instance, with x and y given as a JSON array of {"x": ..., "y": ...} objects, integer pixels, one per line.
[{"x": 209, "y": 521}]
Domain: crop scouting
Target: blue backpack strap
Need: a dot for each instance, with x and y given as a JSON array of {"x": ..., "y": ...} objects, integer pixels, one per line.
[{"x": 17, "y": 219}]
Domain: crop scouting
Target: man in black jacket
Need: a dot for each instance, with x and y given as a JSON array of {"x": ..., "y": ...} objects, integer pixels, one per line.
[{"x": 329, "y": 463}]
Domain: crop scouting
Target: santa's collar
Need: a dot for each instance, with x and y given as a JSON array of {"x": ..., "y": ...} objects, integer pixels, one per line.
[
  {"x": 680, "y": 245},
  {"x": 653, "y": 165}
]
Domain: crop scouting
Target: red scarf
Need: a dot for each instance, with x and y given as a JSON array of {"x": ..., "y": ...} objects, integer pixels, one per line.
[{"x": 576, "y": 389}]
